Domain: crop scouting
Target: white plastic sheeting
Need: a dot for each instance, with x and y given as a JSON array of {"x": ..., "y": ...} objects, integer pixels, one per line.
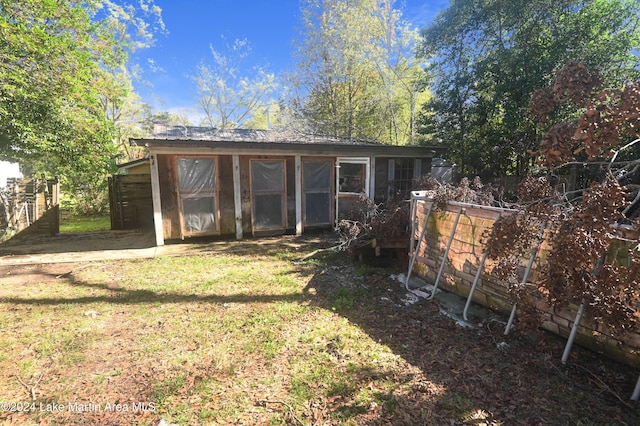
[
  {"x": 317, "y": 192},
  {"x": 197, "y": 183},
  {"x": 268, "y": 188}
]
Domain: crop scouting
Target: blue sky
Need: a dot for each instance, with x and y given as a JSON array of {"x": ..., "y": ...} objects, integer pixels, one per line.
[{"x": 194, "y": 25}]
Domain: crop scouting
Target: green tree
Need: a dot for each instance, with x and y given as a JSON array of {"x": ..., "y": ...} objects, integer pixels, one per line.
[
  {"x": 162, "y": 117},
  {"x": 357, "y": 76},
  {"x": 129, "y": 28},
  {"x": 63, "y": 84},
  {"x": 228, "y": 97},
  {"x": 49, "y": 105},
  {"x": 488, "y": 58}
]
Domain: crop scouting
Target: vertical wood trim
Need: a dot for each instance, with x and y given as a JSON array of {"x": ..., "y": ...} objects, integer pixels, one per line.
[
  {"x": 372, "y": 179},
  {"x": 298, "y": 188},
  {"x": 336, "y": 192},
  {"x": 237, "y": 195},
  {"x": 157, "y": 207},
  {"x": 417, "y": 168}
]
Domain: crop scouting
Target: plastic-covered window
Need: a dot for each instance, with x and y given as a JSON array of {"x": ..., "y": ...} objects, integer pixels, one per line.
[
  {"x": 317, "y": 192},
  {"x": 267, "y": 175},
  {"x": 197, "y": 187},
  {"x": 268, "y": 189}
]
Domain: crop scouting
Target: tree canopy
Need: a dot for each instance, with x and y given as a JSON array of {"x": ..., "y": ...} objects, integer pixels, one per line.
[
  {"x": 488, "y": 57},
  {"x": 49, "y": 98},
  {"x": 63, "y": 75},
  {"x": 65, "y": 82},
  {"x": 357, "y": 74},
  {"x": 230, "y": 95}
]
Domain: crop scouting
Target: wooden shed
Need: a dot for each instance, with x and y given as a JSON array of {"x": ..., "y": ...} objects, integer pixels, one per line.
[
  {"x": 263, "y": 182},
  {"x": 135, "y": 167},
  {"x": 130, "y": 204}
]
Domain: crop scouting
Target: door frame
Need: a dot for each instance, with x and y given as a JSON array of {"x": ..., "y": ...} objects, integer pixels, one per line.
[
  {"x": 282, "y": 228},
  {"x": 216, "y": 197}
]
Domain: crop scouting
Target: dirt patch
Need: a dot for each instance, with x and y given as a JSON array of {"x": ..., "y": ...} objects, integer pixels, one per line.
[
  {"x": 77, "y": 242},
  {"x": 110, "y": 245}
]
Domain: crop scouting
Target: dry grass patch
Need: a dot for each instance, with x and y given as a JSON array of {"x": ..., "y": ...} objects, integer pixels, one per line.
[
  {"x": 196, "y": 339},
  {"x": 253, "y": 338}
]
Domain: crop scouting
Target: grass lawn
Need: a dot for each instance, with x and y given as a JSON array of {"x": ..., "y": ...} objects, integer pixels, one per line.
[
  {"x": 256, "y": 338},
  {"x": 85, "y": 224}
]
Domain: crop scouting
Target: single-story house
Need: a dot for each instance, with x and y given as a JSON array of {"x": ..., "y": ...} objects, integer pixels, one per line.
[{"x": 264, "y": 182}]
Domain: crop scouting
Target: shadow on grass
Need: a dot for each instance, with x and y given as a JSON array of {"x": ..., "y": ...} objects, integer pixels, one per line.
[
  {"x": 75, "y": 242},
  {"x": 466, "y": 376},
  {"x": 125, "y": 296},
  {"x": 452, "y": 375}
]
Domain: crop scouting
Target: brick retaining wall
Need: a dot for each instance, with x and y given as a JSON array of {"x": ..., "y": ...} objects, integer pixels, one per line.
[{"x": 462, "y": 264}]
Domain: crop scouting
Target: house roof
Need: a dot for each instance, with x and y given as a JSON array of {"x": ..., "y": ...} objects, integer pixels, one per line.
[
  {"x": 133, "y": 163},
  {"x": 177, "y": 138}
]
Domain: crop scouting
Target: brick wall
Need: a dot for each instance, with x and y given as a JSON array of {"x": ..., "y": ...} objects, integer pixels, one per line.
[{"x": 462, "y": 264}]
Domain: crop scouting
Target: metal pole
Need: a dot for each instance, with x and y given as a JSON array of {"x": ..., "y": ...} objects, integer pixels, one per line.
[
  {"x": 475, "y": 281},
  {"x": 507, "y": 329},
  {"x": 413, "y": 206},
  {"x": 572, "y": 335},
  {"x": 636, "y": 391},
  {"x": 414, "y": 255},
  {"x": 525, "y": 277},
  {"x": 473, "y": 286},
  {"x": 446, "y": 253}
]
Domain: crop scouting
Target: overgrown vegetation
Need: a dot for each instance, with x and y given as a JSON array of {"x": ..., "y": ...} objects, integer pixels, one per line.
[
  {"x": 391, "y": 219},
  {"x": 487, "y": 59},
  {"x": 580, "y": 227}
]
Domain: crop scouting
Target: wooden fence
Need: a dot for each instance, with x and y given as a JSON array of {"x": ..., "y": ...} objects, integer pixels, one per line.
[
  {"x": 130, "y": 202},
  {"x": 32, "y": 205}
]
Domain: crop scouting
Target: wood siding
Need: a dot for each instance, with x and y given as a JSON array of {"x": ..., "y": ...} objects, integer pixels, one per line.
[
  {"x": 130, "y": 204},
  {"x": 168, "y": 183}
]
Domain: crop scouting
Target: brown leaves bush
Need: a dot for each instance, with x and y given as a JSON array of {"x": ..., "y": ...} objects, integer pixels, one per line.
[
  {"x": 580, "y": 236},
  {"x": 609, "y": 116}
]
